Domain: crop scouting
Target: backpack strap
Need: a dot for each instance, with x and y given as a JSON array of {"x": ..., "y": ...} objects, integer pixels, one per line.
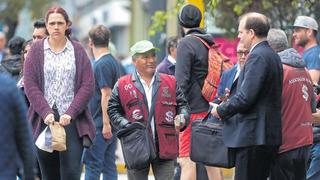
[
  {"x": 200, "y": 39},
  {"x": 205, "y": 43}
]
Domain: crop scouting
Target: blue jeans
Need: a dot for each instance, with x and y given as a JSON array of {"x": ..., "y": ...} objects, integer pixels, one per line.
[
  {"x": 101, "y": 158},
  {"x": 313, "y": 172}
]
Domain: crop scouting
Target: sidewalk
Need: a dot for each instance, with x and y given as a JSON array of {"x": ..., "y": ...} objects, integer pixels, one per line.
[{"x": 227, "y": 173}]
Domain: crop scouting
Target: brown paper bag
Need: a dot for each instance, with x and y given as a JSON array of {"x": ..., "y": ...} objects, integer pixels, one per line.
[{"x": 58, "y": 137}]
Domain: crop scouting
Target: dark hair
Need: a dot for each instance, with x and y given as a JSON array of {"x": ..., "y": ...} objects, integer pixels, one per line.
[
  {"x": 258, "y": 23},
  {"x": 24, "y": 45},
  {"x": 60, "y": 10},
  {"x": 15, "y": 45},
  {"x": 100, "y": 36},
  {"x": 40, "y": 23},
  {"x": 172, "y": 42},
  {"x": 315, "y": 33}
]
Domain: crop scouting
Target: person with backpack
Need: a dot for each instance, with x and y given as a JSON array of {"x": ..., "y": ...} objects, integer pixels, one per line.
[{"x": 191, "y": 71}]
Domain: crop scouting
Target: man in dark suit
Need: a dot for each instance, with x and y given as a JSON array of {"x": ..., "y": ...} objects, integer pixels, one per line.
[{"x": 256, "y": 106}]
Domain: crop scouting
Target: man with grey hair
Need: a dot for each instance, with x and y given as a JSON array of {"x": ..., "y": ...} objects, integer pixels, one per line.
[
  {"x": 277, "y": 40},
  {"x": 297, "y": 92}
]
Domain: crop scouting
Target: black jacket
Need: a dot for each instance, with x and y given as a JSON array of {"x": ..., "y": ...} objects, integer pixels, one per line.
[
  {"x": 12, "y": 65},
  {"x": 256, "y": 105},
  {"x": 192, "y": 68},
  {"x": 117, "y": 115}
]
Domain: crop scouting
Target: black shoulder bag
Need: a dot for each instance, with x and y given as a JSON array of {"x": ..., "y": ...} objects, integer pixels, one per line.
[{"x": 207, "y": 146}]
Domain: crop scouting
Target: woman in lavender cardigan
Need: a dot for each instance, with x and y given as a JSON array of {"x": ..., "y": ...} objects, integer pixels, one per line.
[{"x": 59, "y": 83}]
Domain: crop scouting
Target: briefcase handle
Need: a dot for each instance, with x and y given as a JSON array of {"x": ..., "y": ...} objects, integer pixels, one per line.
[{"x": 217, "y": 124}]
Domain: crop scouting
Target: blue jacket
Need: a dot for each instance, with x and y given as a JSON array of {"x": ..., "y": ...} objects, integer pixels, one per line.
[
  {"x": 166, "y": 67},
  {"x": 226, "y": 81},
  {"x": 16, "y": 138}
]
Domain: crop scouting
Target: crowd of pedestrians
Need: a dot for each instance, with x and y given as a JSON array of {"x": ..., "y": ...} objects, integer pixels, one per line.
[{"x": 269, "y": 112}]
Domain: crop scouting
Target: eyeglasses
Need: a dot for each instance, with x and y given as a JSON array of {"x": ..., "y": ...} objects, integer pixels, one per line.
[{"x": 242, "y": 53}]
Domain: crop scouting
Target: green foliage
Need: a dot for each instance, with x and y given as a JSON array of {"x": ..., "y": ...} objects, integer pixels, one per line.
[
  {"x": 226, "y": 13},
  {"x": 281, "y": 13},
  {"x": 160, "y": 18}
]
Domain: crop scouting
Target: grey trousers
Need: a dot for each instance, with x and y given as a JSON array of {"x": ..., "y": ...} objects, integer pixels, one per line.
[{"x": 162, "y": 170}]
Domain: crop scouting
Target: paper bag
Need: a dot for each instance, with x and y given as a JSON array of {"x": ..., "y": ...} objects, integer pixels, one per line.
[
  {"x": 44, "y": 141},
  {"x": 58, "y": 137}
]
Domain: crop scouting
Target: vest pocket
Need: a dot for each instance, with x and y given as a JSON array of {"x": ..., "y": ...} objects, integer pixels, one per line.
[{"x": 169, "y": 148}]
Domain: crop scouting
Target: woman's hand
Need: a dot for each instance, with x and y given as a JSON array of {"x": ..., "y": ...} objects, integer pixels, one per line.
[
  {"x": 49, "y": 119},
  {"x": 65, "y": 119}
]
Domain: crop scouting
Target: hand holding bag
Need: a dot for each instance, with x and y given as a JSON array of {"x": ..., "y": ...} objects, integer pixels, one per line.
[
  {"x": 58, "y": 137},
  {"x": 207, "y": 145}
]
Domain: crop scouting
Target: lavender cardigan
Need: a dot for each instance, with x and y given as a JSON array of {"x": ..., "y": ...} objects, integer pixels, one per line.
[{"x": 83, "y": 90}]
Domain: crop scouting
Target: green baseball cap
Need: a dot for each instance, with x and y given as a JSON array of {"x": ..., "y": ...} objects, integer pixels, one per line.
[{"x": 142, "y": 47}]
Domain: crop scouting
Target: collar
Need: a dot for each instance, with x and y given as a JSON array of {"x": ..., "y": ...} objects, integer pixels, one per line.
[
  {"x": 171, "y": 59},
  {"x": 143, "y": 81},
  {"x": 256, "y": 45},
  {"x": 196, "y": 31},
  {"x": 238, "y": 67},
  {"x": 68, "y": 45},
  {"x": 135, "y": 76},
  {"x": 101, "y": 55}
]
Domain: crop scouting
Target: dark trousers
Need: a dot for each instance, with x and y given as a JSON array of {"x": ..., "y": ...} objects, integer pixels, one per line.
[
  {"x": 65, "y": 165},
  {"x": 254, "y": 162},
  {"x": 291, "y": 165}
]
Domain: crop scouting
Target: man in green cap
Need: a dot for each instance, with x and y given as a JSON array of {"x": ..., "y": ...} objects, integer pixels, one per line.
[{"x": 155, "y": 100}]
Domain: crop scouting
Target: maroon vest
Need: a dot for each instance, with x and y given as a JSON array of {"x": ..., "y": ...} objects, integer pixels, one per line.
[
  {"x": 296, "y": 108},
  {"x": 135, "y": 109}
]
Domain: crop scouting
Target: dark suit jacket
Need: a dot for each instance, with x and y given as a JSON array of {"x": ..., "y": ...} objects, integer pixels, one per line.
[{"x": 256, "y": 106}]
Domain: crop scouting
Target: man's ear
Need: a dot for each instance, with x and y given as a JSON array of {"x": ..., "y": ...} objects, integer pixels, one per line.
[
  {"x": 309, "y": 32},
  {"x": 90, "y": 44},
  {"x": 252, "y": 33}
]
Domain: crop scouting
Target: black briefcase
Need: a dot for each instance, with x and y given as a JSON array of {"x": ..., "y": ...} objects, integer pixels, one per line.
[
  {"x": 207, "y": 146},
  {"x": 136, "y": 145}
]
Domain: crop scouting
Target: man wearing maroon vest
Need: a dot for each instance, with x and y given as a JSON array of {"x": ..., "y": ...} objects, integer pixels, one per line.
[
  {"x": 155, "y": 100},
  {"x": 297, "y": 99}
]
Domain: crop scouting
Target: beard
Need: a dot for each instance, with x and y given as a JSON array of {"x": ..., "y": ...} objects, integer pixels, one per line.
[{"x": 302, "y": 42}]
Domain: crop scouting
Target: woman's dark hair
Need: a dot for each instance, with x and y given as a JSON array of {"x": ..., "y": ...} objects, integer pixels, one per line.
[
  {"x": 24, "y": 45},
  {"x": 60, "y": 10},
  {"x": 15, "y": 45}
]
